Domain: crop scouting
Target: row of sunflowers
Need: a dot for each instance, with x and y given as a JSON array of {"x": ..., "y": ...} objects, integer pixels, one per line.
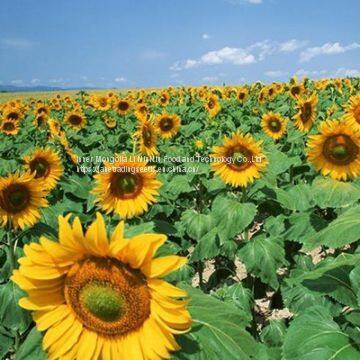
[{"x": 115, "y": 249}]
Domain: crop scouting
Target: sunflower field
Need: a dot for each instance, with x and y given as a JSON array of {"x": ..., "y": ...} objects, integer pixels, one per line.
[{"x": 189, "y": 223}]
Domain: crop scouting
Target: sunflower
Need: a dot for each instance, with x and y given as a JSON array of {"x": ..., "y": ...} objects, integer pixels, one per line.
[
  {"x": 353, "y": 111},
  {"x": 100, "y": 297},
  {"x": 212, "y": 105},
  {"x": 274, "y": 125},
  {"x": 239, "y": 161},
  {"x": 307, "y": 113},
  {"x": 164, "y": 98},
  {"x": 40, "y": 121},
  {"x": 127, "y": 186},
  {"x": 141, "y": 112},
  {"x": 335, "y": 151},
  {"x": 199, "y": 144},
  {"x": 297, "y": 90},
  {"x": 76, "y": 120},
  {"x": 242, "y": 94},
  {"x": 122, "y": 106},
  {"x": 168, "y": 125},
  {"x": 54, "y": 128},
  {"x": 12, "y": 114},
  {"x": 9, "y": 127},
  {"x": 147, "y": 134},
  {"x": 110, "y": 122},
  {"x": 100, "y": 102},
  {"x": 46, "y": 166},
  {"x": 20, "y": 199},
  {"x": 42, "y": 109}
]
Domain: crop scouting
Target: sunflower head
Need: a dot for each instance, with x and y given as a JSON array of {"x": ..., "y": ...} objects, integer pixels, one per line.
[
  {"x": 122, "y": 106},
  {"x": 212, "y": 105},
  {"x": 239, "y": 161},
  {"x": 168, "y": 125},
  {"x": 352, "y": 111},
  {"x": 45, "y": 165},
  {"x": 9, "y": 127},
  {"x": 21, "y": 196},
  {"x": 274, "y": 125},
  {"x": 127, "y": 187},
  {"x": 164, "y": 98},
  {"x": 76, "y": 120},
  {"x": 99, "y": 297},
  {"x": 147, "y": 138},
  {"x": 306, "y": 115},
  {"x": 12, "y": 114},
  {"x": 335, "y": 151}
]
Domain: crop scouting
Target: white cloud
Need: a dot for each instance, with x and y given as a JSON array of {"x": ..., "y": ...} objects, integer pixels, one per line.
[
  {"x": 120, "y": 79},
  {"x": 205, "y": 36},
  {"x": 291, "y": 45},
  {"x": 58, "y": 81},
  {"x": 255, "y": 52},
  {"x": 17, "y": 82},
  {"x": 343, "y": 72},
  {"x": 16, "y": 43},
  {"x": 152, "y": 55},
  {"x": 210, "y": 79},
  {"x": 326, "y": 49},
  {"x": 34, "y": 81},
  {"x": 276, "y": 73}
]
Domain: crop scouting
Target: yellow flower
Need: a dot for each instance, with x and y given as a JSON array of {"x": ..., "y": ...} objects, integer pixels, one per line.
[
  {"x": 147, "y": 138},
  {"x": 168, "y": 125},
  {"x": 100, "y": 102},
  {"x": 353, "y": 111},
  {"x": 274, "y": 125},
  {"x": 239, "y": 161},
  {"x": 46, "y": 166},
  {"x": 199, "y": 144},
  {"x": 164, "y": 98},
  {"x": 12, "y": 114},
  {"x": 212, "y": 105},
  {"x": 76, "y": 120},
  {"x": 242, "y": 94},
  {"x": 40, "y": 121},
  {"x": 296, "y": 90},
  {"x": 306, "y": 115},
  {"x": 122, "y": 106},
  {"x": 335, "y": 151},
  {"x": 141, "y": 112},
  {"x": 110, "y": 122},
  {"x": 9, "y": 127},
  {"x": 102, "y": 298},
  {"x": 127, "y": 186},
  {"x": 20, "y": 199}
]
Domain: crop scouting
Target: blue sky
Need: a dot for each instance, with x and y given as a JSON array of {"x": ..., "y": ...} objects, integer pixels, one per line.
[{"x": 145, "y": 43}]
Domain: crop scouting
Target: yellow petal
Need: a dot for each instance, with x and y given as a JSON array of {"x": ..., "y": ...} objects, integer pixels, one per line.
[
  {"x": 164, "y": 288},
  {"x": 163, "y": 266},
  {"x": 45, "y": 319},
  {"x": 87, "y": 345}
]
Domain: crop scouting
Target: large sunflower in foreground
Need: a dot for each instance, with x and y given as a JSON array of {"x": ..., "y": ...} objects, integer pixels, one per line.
[
  {"x": 168, "y": 125},
  {"x": 147, "y": 138},
  {"x": 46, "y": 166},
  {"x": 335, "y": 151},
  {"x": 76, "y": 120},
  {"x": 239, "y": 161},
  {"x": 102, "y": 298},
  {"x": 306, "y": 115},
  {"x": 274, "y": 125},
  {"x": 21, "y": 196},
  {"x": 353, "y": 111},
  {"x": 127, "y": 186}
]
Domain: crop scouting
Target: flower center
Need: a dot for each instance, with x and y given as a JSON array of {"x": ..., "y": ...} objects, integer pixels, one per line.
[
  {"x": 125, "y": 185},
  {"x": 340, "y": 149},
  {"x": 166, "y": 124},
  {"x": 15, "y": 198},
  {"x": 357, "y": 114},
  {"x": 107, "y": 296},
  {"x": 211, "y": 104},
  {"x": 123, "y": 105},
  {"x": 102, "y": 301},
  {"x": 306, "y": 112},
  {"x": 75, "y": 119},
  {"x": 241, "y": 158},
  {"x": 275, "y": 125},
  {"x": 147, "y": 136},
  {"x": 8, "y": 126},
  {"x": 295, "y": 90},
  {"x": 13, "y": 116},
  {"x": 40, "y": 167}
]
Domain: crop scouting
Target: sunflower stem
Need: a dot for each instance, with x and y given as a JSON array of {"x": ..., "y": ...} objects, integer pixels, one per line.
[
  {"x": 243, "y": 200},
  {"x": 12, "y": 250}
]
